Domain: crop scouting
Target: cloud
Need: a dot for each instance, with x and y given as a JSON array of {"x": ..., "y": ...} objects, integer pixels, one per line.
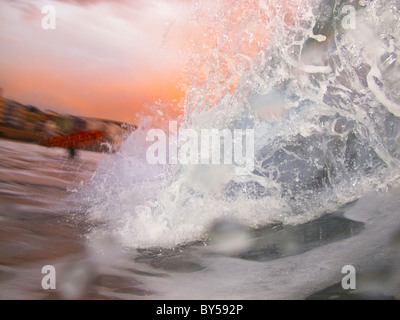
[
  {"x": 105, "y": 60},
  {"x": 28, "y": 10}
]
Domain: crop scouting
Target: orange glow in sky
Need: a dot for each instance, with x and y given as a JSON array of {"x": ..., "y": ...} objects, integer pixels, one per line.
[{"x": 111, "y": 59}]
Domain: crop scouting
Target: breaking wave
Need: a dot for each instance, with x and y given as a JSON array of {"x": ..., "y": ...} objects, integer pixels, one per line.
[{"x": 323, "y": 100}]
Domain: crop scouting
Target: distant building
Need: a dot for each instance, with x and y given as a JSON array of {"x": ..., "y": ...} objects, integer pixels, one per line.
[
  {"x": 2, "y": 110},
  {"x": 14, "y": 114},
  {"x": 50, "y": 126},
  {"x": 33, "y": 118},
  {"x": 78, "y": 124},
  {"x": 64, "y": 123}
]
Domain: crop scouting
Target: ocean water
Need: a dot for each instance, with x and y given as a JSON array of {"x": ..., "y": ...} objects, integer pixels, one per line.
[
  {"x": 42, "y": 225},
  {"x": 323, "y": 101}
]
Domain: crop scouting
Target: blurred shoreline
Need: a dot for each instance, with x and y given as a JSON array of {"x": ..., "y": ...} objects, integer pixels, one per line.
[
  {"x": 26, "y": 123},
  {"x": 18, "y": 135}
]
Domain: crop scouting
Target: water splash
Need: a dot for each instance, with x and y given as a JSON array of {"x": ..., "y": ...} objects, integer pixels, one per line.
[{"x": 323, "y": 101}]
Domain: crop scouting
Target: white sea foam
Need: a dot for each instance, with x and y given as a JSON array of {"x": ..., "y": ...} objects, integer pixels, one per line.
[{"x": 324, "y": 113}]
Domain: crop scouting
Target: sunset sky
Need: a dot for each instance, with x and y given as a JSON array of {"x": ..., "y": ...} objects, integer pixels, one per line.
[
  {"x": 115, "y": 58},
  {"x": 105, "y": 59}
]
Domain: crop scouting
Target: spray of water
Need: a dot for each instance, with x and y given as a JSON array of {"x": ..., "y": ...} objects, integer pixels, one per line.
[{"x": 323, "y": 101}]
